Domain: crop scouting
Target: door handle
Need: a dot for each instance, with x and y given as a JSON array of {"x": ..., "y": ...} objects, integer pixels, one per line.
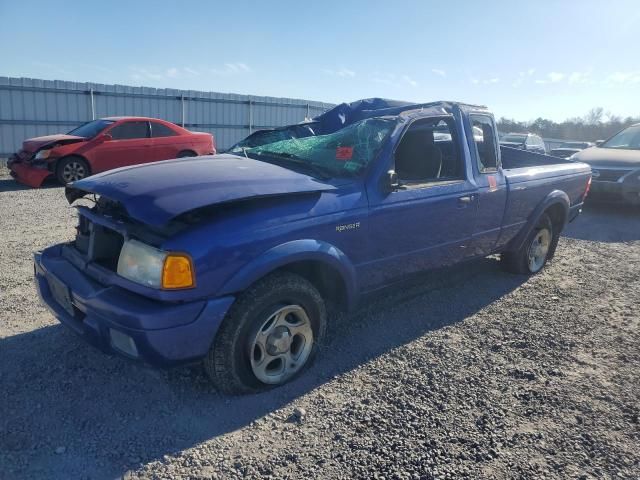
[{"x": 465, "y": 200}]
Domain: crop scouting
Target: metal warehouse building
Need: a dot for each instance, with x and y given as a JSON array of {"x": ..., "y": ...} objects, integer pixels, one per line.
[{"x": 31, "y": 108}]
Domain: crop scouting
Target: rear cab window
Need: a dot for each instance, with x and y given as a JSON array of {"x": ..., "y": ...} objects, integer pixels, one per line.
[{"x": 484, "y": 138}]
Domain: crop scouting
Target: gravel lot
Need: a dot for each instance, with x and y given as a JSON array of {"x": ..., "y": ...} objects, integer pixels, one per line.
[{"x": 472, "y": 374}]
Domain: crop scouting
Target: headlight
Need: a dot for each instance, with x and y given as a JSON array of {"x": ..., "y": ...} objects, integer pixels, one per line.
[
  {"x": 155, "y": 268},
  {"x": 42, "y": 154}
]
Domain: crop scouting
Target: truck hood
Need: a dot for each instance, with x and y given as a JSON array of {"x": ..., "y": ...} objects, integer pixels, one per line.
[
  {"x": 32, "y": 144},
  {"x": 609, "y": 157},
  {"x": 156, "y": 193}
]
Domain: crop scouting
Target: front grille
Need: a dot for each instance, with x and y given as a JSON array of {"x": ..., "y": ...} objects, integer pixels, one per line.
[
  {"x": 606, "y": 175},
  {"x": 98, "y": 243}
]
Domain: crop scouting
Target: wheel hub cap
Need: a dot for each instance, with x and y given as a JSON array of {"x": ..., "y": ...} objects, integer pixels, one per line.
[
  {"x": 279, "y": 341},
  {"x": 539, "y": 249},
  {"x": 282, "y": 345},
  {"x": 73, "y": 171}
]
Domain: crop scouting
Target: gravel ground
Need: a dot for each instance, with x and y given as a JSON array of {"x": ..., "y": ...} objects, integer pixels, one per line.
[{"x": 472, "y": 374}]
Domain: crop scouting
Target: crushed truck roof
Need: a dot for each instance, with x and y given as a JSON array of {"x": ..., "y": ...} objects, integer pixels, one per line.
[{"x": 347, "y": 113}]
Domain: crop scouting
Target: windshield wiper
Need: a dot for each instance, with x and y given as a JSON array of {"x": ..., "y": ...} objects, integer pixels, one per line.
[{"x": 292, "y": 159}]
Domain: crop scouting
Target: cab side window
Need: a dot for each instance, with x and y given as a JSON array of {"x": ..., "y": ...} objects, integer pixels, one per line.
[
  {"x": 130, "y": 130},
  {"x": 484, "y": 138},
  {"x": 428, "y": 153}
]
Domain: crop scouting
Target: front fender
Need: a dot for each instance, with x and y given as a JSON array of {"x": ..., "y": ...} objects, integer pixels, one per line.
[
  {"x": 556, "y": 197},
  {"x": 292, "y": 252}
]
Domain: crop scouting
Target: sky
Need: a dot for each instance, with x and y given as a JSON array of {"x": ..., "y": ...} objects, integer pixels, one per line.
[{"x": 524, "y": 60}]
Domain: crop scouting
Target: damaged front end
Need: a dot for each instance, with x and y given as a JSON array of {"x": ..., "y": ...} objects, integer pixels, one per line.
[
  {"x": 32, "y": 175},
  {"x": 81, "y": 283},
  {"x": 35, "y": 162},
  {"x": 24, "y": 168},
  {"x": 103, "y": 232}
]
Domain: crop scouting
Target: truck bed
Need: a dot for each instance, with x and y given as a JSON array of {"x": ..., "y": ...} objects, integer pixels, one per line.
[
  {"x": 531, "y": 177},
  {"x": 516, "y": 158},
  {"x": 521, "y": 166}
]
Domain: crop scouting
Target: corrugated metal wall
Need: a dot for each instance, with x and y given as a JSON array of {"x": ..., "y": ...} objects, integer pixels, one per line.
[{"x": 31, "y": 108}]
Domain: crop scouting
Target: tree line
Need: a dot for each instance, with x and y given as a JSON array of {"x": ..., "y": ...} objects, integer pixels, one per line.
[{"x": 595, "y": 125}]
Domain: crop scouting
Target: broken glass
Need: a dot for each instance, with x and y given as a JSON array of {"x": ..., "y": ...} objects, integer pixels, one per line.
[{"x": 341, "y": 153}]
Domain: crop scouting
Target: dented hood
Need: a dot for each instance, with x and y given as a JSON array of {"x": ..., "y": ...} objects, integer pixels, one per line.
[
  {"x": 32, "y": 144},
  {"x": 156, "y": 193}
]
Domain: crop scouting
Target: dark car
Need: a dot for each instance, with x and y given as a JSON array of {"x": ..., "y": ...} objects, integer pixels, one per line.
[
  {"x": 570, "y": 148},
  {"x": 615, "y": 164},
  {"x": 524, "y": 141},
  {"x": 578, "y": 145}
]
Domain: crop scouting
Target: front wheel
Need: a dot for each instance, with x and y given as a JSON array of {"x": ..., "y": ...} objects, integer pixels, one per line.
[
  {"x": 269, "y": 336},
  {"x": 535, "y": 251},
  {"x": 71, "y": 169}
]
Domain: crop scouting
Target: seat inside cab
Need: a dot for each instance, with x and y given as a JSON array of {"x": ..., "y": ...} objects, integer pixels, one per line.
[{"x": 427, "y": 153}]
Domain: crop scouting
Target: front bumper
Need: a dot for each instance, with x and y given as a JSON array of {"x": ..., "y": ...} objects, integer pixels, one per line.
[
  {"x": 619, "y": 192},
  {"x": 27, "y": 174},
  {"x": 110, "y": 317}
]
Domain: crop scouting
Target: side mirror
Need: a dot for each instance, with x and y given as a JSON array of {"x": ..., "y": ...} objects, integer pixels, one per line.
[
  {"x": 104, "y": 137},
  {"x": 391, "y": 183},
  {"x": 599, "y": 142}
]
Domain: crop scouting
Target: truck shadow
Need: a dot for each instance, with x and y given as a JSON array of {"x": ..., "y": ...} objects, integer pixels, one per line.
[
  {"x": 604, "y": 222},
  {"x": 112, "y": 415}
]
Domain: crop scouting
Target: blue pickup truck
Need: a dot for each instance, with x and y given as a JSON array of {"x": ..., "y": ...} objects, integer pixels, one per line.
[{"x": 234, "y": 260}]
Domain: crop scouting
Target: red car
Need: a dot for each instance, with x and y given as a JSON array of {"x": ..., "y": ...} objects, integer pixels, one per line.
[{"x": 105, "y": 144}]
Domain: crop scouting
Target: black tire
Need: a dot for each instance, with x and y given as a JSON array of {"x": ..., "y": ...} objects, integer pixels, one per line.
[
  {"x": 229, "y": 362},
  {"x": 519, "y": 261},
  {"x": 71, "y": 169},
  {"x": 186, "y": 153}
]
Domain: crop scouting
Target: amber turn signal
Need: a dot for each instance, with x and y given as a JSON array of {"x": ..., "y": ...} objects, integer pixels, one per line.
[{"x": 177, "y": 272}]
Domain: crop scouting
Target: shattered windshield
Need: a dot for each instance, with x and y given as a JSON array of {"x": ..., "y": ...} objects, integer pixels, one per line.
[
  {"x": 261, "y": 137},
  {"x": 342, "y": 153}
]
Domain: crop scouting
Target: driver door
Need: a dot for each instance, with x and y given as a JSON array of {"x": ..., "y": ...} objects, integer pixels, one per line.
[
  {"x": 429, "y": 221},
  {"x": 128, "y": 145}
]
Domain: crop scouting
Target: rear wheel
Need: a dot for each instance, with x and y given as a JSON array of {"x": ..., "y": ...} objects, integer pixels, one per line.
[
  {"x": 72, "y": 169},
  {"x": 186, "y": 153},
  {"x": 535, "y": 251},
  {"x": 269, "y": 336}
]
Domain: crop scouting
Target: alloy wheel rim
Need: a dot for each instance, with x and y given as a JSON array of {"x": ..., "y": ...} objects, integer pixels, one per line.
[
  {"x": 539, "y": 249},
  {"x": 73, "y": 171},
  {"x": 282, "y": 345}
]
